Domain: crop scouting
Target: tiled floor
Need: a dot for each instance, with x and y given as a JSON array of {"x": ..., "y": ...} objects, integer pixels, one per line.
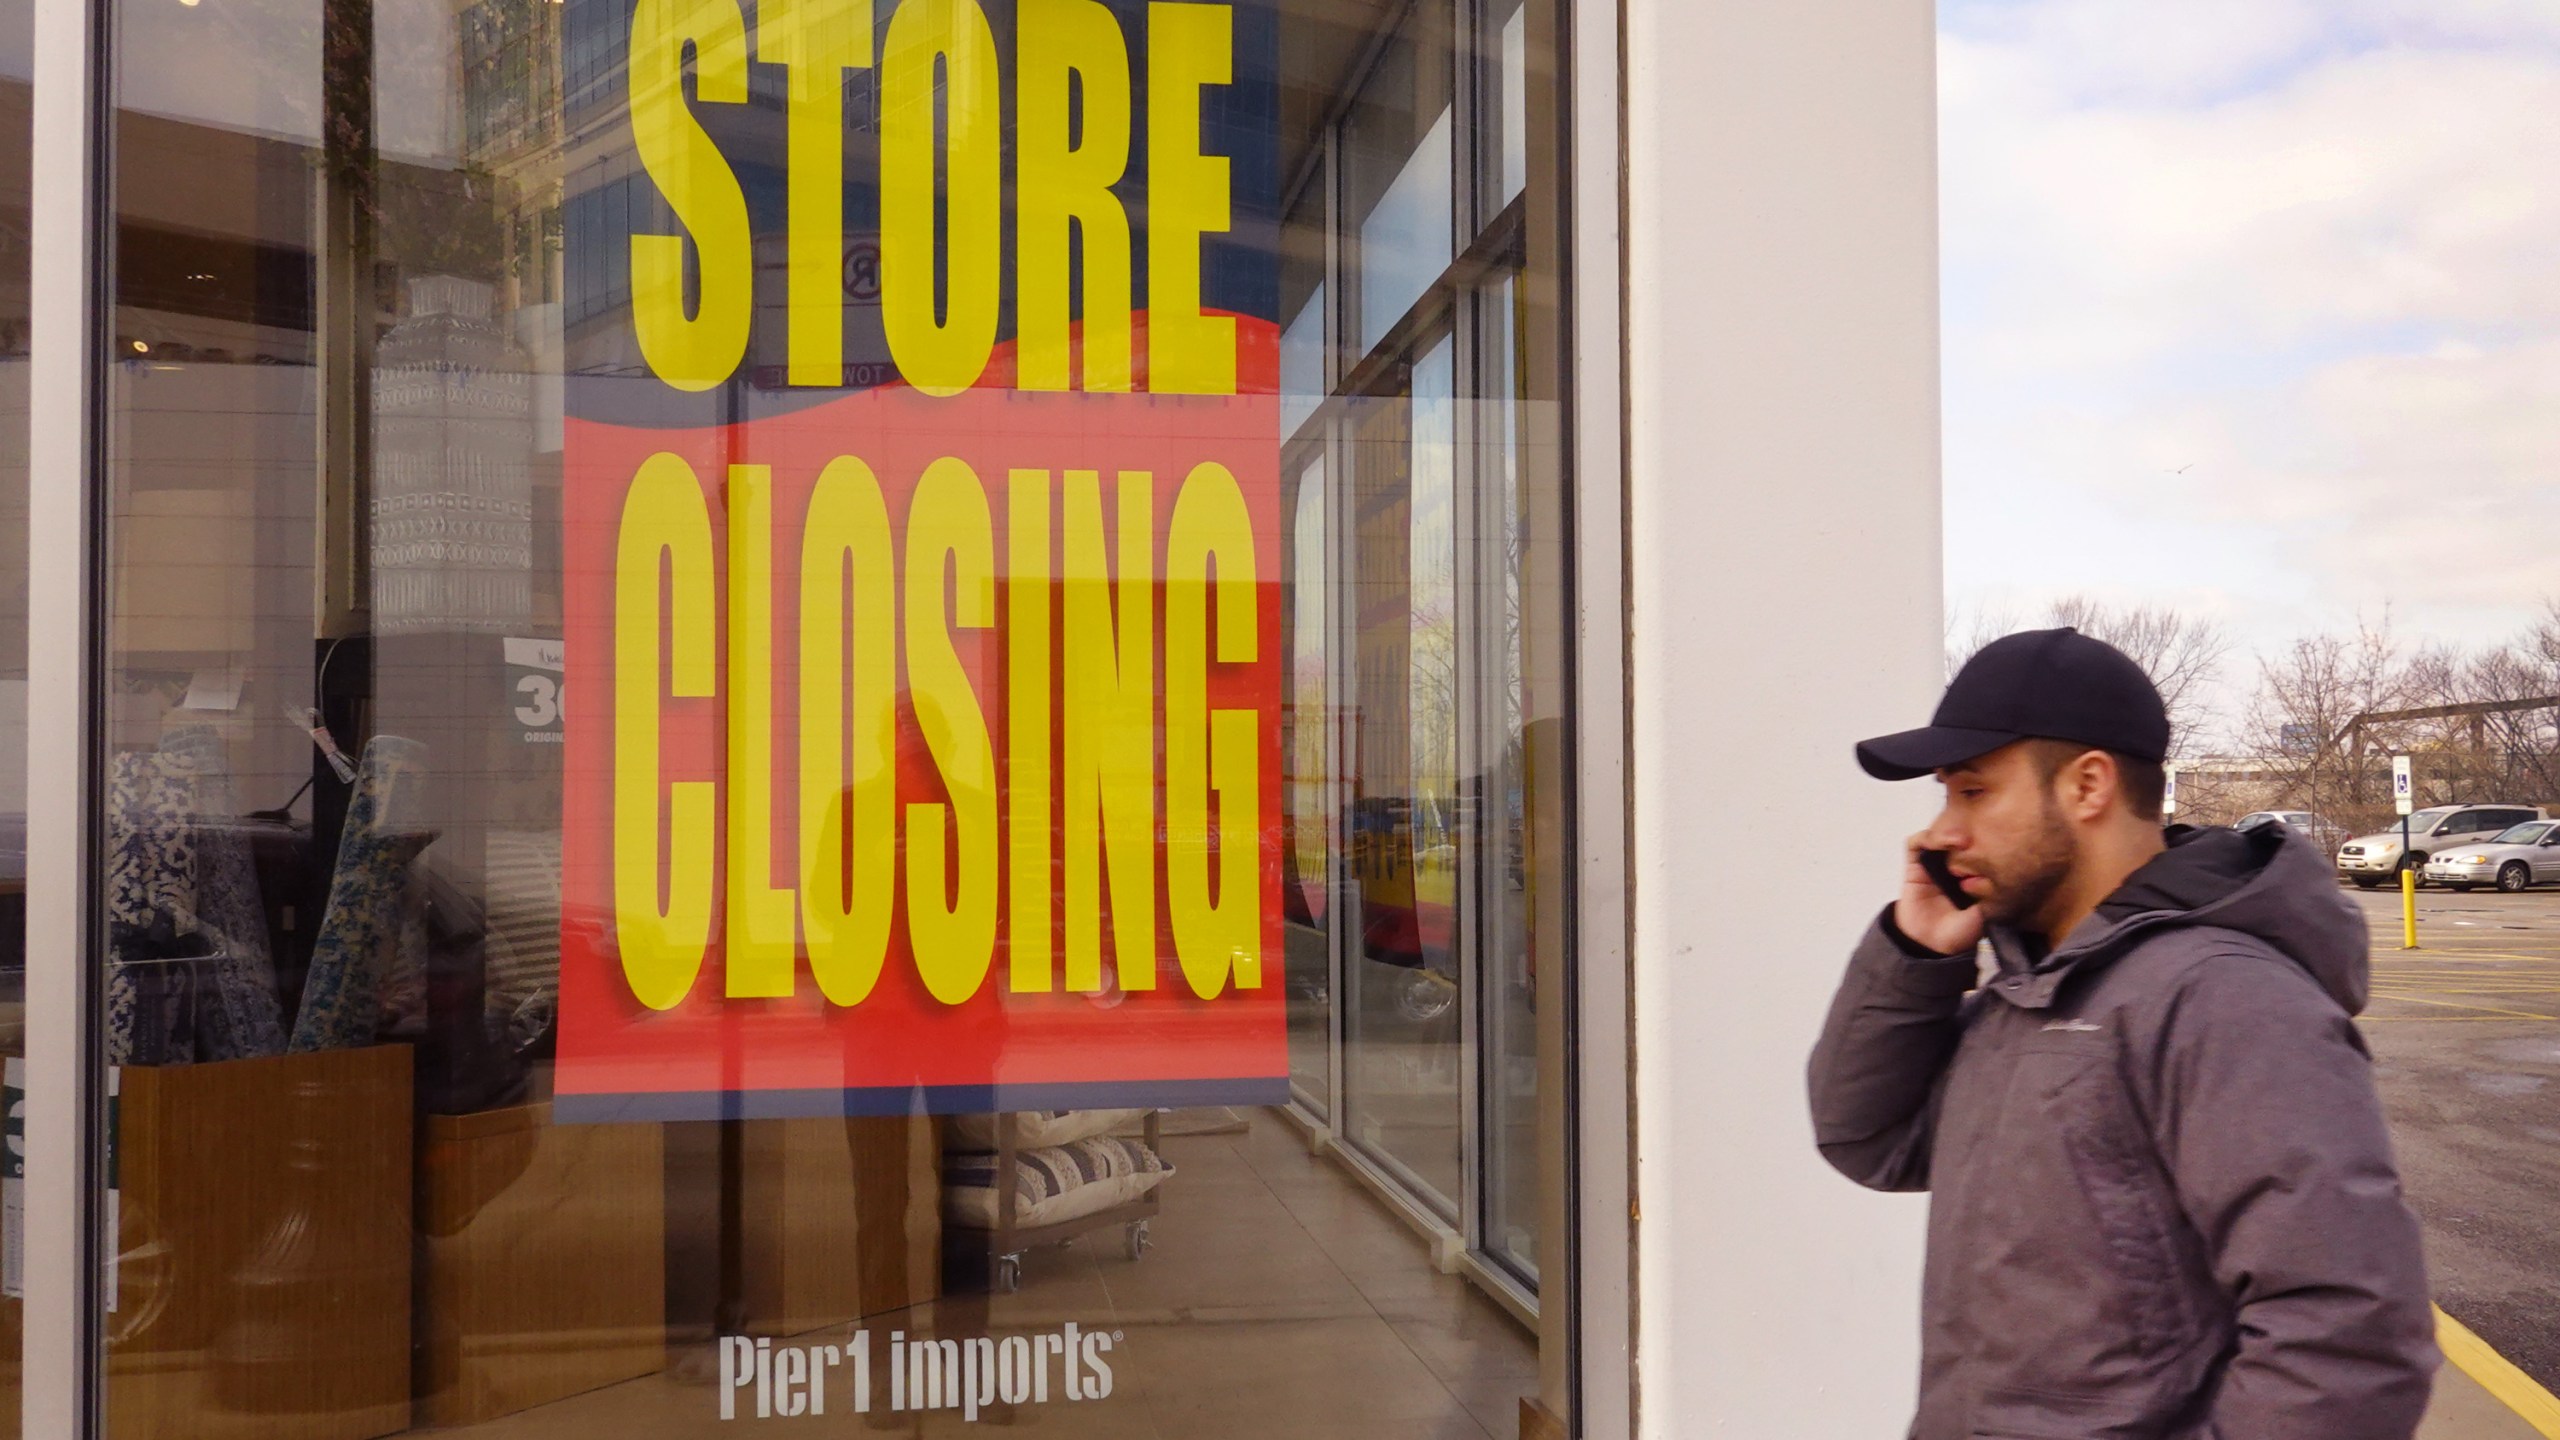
[{"x": 1279, "y": 1300}]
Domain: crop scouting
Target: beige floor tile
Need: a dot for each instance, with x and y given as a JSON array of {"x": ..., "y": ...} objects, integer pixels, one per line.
[
  {"x": 1282, "y": 1427},
  {"x": 1281, "y": 1301},
  {"x": 1470, "y": 1339},
  {"x": 1197, "y": 1377}
]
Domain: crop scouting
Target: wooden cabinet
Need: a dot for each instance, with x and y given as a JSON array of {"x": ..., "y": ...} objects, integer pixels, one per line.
[
  {"x": 262, "y": 1273},
  {"x": 838, "y": 1219},
  {"x": 542, "y": 1269}
]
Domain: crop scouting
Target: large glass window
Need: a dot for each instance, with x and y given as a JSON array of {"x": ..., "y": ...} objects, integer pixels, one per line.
[
  {"x": 17, "y": 22},
  {"x": 1402, "y": 1025},
  {"x": 829, "y": 707}
]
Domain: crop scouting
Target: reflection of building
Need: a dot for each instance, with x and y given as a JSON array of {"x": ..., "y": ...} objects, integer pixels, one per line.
[{"x": 452, "y": 535}]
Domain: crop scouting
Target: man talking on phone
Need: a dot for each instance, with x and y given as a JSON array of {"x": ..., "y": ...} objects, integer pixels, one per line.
[{"x": 2163, "y": 1204}]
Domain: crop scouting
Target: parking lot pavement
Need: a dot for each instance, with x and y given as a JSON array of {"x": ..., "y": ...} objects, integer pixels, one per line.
[{"x": 2465, "y": 1033}]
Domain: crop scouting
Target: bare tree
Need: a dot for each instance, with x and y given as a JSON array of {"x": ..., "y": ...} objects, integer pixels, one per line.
[
  {"x": 1969, "y": 628},
  {"x": 2182, "y": 654},
  {"x": 2496, "y": 754},
  {"x": 2297, "y": 724}
]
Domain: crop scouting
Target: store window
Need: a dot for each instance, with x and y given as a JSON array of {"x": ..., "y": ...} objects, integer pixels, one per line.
[
  {"x": 835, "y": 707},
  {"x": 17, "y": 23}
]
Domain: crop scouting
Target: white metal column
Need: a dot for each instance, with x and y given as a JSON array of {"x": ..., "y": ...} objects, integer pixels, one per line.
[
  {"x": 1783, "y": 601},
  {"x": 62, "y": 380},
  {"x": 1602, "y": 1119}
]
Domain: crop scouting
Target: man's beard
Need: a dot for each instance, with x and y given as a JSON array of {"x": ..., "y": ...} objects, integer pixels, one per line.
[{"x": 2022, "y": 888}]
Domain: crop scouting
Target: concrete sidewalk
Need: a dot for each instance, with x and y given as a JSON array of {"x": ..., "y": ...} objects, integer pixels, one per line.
[{"x": 2465, "y": 1410}]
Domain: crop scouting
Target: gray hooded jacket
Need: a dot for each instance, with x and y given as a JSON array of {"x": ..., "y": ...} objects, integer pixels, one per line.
[{"x": 2164, "y": 1205}]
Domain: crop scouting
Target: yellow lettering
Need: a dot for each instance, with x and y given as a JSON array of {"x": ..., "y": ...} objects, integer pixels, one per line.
[
  {"x": 699, "y": 350},
  {"x": 760, "y": 917},
  {"x": 815, "y": 41},
  {"x": 1110, "y": 732},
  {"x": 941, "y": 327},
  {"x": 1027, "y": 728},
  {"x": 1188, "y": 46},
  {"x": 662, "y": 945},
  {"x": 954, "y": 937},
  {"x": 848, "y": 834},
  {"x": 1203, "y": 751},
  {"x": 1059, "y": 186}
]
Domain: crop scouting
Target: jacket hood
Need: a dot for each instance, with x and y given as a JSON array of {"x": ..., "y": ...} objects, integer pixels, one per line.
[{"x": 2265, "y": 882}]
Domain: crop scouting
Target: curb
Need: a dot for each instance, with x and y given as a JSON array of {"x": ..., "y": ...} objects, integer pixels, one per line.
[{"x": 2498, "y": 1375}]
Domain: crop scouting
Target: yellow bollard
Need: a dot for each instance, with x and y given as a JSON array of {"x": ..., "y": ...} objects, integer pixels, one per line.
[{"x": 2408, "y": 908}]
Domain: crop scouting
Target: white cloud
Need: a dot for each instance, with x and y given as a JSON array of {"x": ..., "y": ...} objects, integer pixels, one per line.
[
  {"x": 2306, "y": 250},
  {"x": 2165, "y": 50},
  {"x": 2379, "y": 190}
]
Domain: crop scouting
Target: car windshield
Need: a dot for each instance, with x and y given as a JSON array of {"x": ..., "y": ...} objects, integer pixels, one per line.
[
  {"x": 2523, "y": 834},
  {"x": 2261, "y": 818},
  {"x": 2423, "y": 820}
]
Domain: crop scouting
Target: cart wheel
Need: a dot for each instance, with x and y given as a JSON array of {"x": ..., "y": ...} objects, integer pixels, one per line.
[
  {"x": 1139, "y": 1239},
  {"x": 1009, "y": 1273}
]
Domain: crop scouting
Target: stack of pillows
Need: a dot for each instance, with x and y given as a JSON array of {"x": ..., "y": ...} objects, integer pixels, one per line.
[{"x": 1067, "y": 1165}]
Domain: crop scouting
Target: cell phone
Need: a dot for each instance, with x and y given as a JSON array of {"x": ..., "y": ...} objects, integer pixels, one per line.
[{"x": 1940, "y": 871}]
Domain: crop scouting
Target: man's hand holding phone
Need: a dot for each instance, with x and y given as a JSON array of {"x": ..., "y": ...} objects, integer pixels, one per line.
[{"x": 1934, "y": 910}]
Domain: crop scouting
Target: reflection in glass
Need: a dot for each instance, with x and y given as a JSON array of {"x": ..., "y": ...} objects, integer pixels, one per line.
[
  {"x": 373, "y": 290},
  {"x": 1510, "y": 81},
  {"x": 16, "y": 27},
  {"x": 1402, "y": 1034},
  {"x": 1397, "y": 160},
  {"x": 1510, "y": 880},
  {"x": 1308, "y": 792},
  {"x": 1306, "y": 323}
]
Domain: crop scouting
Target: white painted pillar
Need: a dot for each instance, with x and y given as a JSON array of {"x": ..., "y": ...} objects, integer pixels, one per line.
[{"x": 1783, "y": 598}]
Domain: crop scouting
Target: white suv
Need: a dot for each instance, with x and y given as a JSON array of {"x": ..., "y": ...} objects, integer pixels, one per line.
[{"x": 2369, "y": 860}]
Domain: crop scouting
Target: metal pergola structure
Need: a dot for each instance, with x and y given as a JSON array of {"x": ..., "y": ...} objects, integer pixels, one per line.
[{"x": 2477, "y": 711}]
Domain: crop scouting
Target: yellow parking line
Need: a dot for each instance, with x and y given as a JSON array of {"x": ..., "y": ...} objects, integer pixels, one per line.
[
  {"x": 2433, "y": 1021},
  {"x": 2461, "y": 1005},
  {"x": 2450, "y": 985},
  {"x": 2487, "y": 949},
  {"x": 2498, "y": 1375}
]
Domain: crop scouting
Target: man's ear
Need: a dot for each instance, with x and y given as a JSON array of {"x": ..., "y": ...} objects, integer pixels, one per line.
[{"x": 2089, "y": 784}]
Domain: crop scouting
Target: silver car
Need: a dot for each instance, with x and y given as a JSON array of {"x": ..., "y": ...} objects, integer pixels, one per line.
[
  {"x": 2369, "y": 860},
  {"x": 2304, "y": 823},
  {"x": 2517, "y": 859}
]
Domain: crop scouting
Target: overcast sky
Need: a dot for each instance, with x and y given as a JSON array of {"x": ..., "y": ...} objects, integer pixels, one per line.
[{"x": 2305, "y": 252}]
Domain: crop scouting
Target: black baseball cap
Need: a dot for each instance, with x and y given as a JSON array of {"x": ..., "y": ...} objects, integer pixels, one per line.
[{"x": 2034, "y": 685}]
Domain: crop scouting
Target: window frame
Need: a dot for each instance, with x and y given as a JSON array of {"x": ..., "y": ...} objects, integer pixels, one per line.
[{"x": 71, "y": 268}]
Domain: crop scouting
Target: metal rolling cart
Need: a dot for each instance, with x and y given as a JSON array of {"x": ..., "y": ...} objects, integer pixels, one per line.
[{"x": 1004, "y": 1245}]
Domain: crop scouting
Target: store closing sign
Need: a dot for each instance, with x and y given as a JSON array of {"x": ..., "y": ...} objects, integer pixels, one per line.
[{"x": 926, "y": 643}]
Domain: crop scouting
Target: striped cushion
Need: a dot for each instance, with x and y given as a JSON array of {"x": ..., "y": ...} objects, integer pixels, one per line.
[
  {"x": 1052, "y": 1183},
  {"x": 1038, "y": 1127}
]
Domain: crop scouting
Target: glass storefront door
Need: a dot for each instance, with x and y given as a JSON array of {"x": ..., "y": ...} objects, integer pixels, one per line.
[
  {"x": 1436, "y": 792},
  {"x": 832, "y": 708}
]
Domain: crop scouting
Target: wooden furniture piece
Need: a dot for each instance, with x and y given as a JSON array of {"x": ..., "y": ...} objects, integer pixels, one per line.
[
  {"x": 837, "y": 1220},
  {"x": 542, "y": 1264},
  {"x": 1002, "y": 1247},
  {"x": 262, "y": 1275}
]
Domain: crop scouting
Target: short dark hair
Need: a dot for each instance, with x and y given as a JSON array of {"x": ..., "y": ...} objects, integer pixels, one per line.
[{"x": 2145, "y": 783}]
